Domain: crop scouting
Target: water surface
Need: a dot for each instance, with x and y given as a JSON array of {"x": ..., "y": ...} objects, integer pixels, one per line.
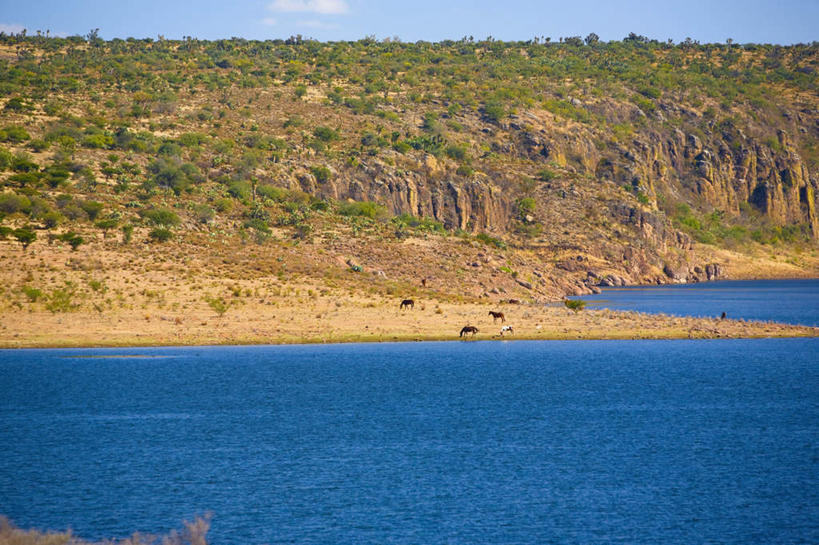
[
  {"x": 476, "y": 442},
  {"x": 785, "y": 301}
]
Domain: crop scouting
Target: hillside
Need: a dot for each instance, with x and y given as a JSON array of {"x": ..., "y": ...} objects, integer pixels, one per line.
[{"x": 134, "y": 172}]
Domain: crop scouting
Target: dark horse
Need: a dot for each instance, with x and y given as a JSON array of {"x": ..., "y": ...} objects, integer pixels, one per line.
[
  {"x": 468, "y": 329},
  {"x": 496, "y": 315},
  {"x": 407, "y": 303}
]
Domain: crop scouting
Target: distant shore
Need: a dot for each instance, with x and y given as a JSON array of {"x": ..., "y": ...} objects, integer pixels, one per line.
[{"x": 355, "y": 321}]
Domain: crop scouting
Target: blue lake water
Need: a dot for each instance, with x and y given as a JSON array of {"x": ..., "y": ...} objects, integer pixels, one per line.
[
  {"x": 711, "y": 441},
  {"x": 786, "y": 301}
]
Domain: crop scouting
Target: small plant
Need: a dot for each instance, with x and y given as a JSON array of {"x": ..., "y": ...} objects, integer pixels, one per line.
[
  {"x": 97, "y": 285},
  {"x": 490, "y": 240},
  {"x": 160, "y": 234},
  {"x": 32, "y": 293},
  {"x": 574, "y": 304},
  {"x": 61, "y": 299},
  {"x": 127, "y": 233},
  {"x": 73, "y": 239},
  {"x": 218, "y": 305}
]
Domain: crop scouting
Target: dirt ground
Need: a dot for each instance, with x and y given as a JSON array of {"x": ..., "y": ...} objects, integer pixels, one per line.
[{"x": 176, "y": 295}]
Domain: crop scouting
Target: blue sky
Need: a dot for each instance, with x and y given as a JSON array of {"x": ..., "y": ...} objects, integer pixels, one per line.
[{"x": 763, "y": 21}]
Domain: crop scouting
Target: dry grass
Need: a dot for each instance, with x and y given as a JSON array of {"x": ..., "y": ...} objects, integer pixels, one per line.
[
  {"x": 193, "y": 533},
  {"x": 106, "y": 294}
]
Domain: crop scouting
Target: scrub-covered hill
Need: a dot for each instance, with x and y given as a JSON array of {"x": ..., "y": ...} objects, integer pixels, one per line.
[{"x": 507, "y": 170}]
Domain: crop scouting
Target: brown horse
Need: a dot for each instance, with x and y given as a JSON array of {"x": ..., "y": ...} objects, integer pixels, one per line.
[
  {"x": 468, "y": 329},
  {"x": 407, "y": 303},
  {"x": 496, "y": 315}
]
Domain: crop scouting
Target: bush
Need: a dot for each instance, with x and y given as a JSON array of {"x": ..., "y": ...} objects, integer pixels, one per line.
[
  {"x": 11, "y": 203},
  {"x": 127, "y": 233},
  {"x": 365, "y": 209},
  {"x": 73, "y": 239},
  {"x": 490, "y": 240},
  {"x": 321, "y": 173},
  {"x": 526, "y": 207},
  {"x": 223, "y": 205},
  {"x": 465, "y": 170},
  {"x": 457, "y": 152},
  {"x": 217, "y": 304},
  {"x": 163, "y": 217},
  {"x": 98, "y": 141},
  {"x": 14, "y": 134},
  {"x": 494, "y": 111},
  {"x": 17, "y": 104},
  {"x": 574, "y": 304},
  {"x": 91, "y": 208},
  {"x": 160, "y": 234},
  {"x": 61, "y": 299},
  {"x": 239, "y": 190},
  {"x": 32, "y": 293},
  {"x": 325, "y": 134},
  {"x": 52, "y": 220},
  {"x": 546, "y": 175},
  {"x": 203, "y": 213}
]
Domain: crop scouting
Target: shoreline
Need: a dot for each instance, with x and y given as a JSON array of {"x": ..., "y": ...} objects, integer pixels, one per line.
[{"x": 672, "y": 328}]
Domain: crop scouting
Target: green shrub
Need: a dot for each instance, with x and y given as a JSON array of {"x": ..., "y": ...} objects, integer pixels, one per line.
[
  {"x": 73, "y": 239},
  {"x": 203, "y": 213},
  {"x": 52, "y": 219},
  {"x": 11, "y": 203},
  {"x": 14, "y": 134},
  {"x": 163, "y": 217},
  {"x": 574, "y": 304},
  {"x": 91, "y": 208},
  {"x": 465, "y": 170},
  {"x": 494, "y": 111},
  {"x": 17, "y": 104},
  {"x": 160, "y": 234},
  {"x": 127, "y": 233},
  {"x": 223, "y": 205},
  {"x": 546, "y": 175},
  {"x": 217, "y": 304},
  {"x": 322, "y": 173},
  {"x": 62, "y": 299},
  {"x": 98, "y": 141},
  {"x": 525, "y": 206},
  {"x": 365, "y": 209},
  {"x": 25, "y": 236},
  {"x": 490, "y": 240},
  {"x": 240, "y": 190},
  {"x": 325, "y": 134},
  {"x": 32, "y": 293}
]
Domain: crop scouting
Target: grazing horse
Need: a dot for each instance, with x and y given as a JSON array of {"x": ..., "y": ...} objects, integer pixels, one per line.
[
  {"x": 468, "y": 329},
  {"x": 506, "y": 329},
  {"x": 496, "y": 315},
  {"x": 407, "y": 303}
]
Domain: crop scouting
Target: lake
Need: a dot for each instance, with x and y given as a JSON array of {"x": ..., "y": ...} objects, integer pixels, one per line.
[
  {"x": 786, "y": 301},
  {"x": 711, "y": 441}
]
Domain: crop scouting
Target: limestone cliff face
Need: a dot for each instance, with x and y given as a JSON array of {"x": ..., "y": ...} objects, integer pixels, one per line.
[
  {"x": 726, "y": 171},
  {"x": 708, "y": 165},
  {"x": 476, "y": 204}
]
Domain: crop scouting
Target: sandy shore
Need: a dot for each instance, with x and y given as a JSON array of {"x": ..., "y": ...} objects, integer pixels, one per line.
[{"x": 326, "y": 320}]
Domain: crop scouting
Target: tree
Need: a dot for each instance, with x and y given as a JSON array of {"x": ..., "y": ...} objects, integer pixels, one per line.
[
  {"x": 25, "y": 236},
  {"x": 73, "y": 239},
  {"x": 592, "y": 39},
  {"x": 106, "y": 224}
]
